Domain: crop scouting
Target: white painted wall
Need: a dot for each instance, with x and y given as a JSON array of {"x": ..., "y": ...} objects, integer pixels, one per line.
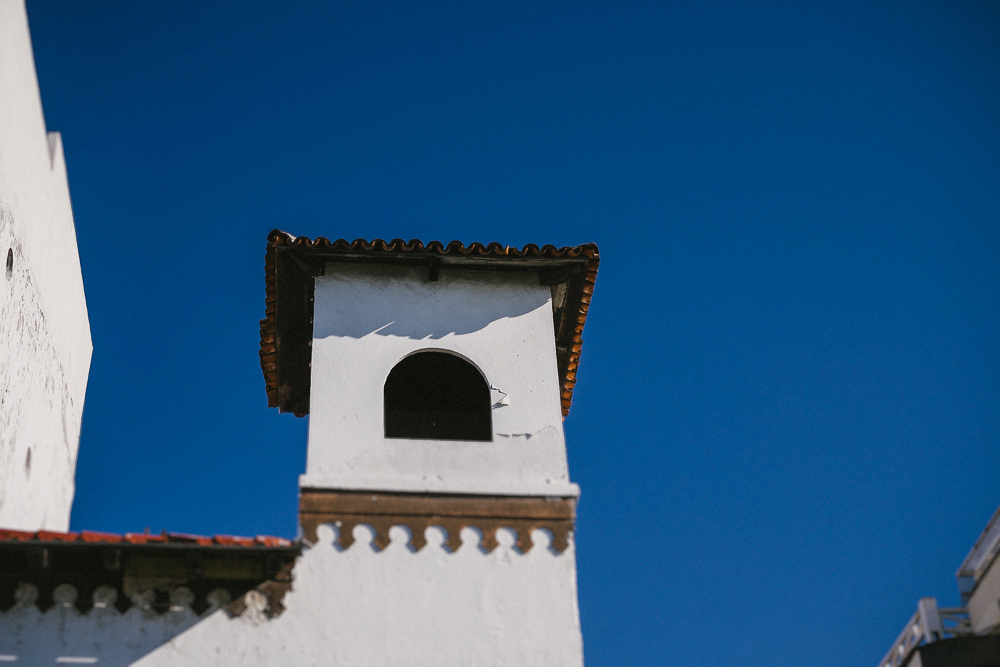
[
  {"x": 45, "y": 345},
  {"x": 352, "y": 607},
  {"x": 369, "y": 317}
]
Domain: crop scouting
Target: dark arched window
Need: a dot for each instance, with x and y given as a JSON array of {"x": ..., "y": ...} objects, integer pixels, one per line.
[{"x": 437, "y": 396}]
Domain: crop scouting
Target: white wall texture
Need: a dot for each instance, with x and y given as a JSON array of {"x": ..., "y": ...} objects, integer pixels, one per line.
[
  {"x": 350, "y": 607},
  {"x": 368, "y": 317},
  {"x": 45, "y": 345}
]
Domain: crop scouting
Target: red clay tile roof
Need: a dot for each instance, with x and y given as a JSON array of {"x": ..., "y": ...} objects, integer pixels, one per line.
[
  {"x": 292, "y": 261},
  {"x": 91, "y": 536}
]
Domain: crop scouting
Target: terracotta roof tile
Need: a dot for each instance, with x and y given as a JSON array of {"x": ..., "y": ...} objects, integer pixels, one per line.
[
  {"x": 142, "y": 538},
  {"x": 16, "y": 536},
  {"x": 95, "y": 537},
  {"x": 287, "y": 387},
  {"x": 53, "y": 536}
]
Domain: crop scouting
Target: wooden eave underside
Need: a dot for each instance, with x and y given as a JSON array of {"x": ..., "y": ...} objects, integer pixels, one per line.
[
  {"x": 89, "y": 564},
  {"x": 292, "y": 263}
]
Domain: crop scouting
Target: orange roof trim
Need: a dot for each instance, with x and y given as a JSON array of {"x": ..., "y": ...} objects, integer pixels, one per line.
[
  {"x": 284, "y": 344},
  {"x": 95, "y": 537}
]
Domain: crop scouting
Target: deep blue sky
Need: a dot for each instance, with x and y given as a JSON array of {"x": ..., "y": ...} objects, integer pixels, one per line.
[{"x": 786, "y": 424}]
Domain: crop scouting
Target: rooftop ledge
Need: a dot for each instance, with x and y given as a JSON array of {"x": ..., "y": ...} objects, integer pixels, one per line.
[{"x": 980, "y": 558}]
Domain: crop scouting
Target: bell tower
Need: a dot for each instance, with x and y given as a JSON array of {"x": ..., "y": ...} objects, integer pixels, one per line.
[{"x": 436, "y": 379}]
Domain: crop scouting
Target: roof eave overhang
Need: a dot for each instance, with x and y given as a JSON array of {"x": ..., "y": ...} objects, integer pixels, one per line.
[{"x": 292, "y": 263}]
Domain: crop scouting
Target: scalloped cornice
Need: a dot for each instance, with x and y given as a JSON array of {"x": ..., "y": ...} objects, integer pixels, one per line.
[{"x": 347, "y": 509}]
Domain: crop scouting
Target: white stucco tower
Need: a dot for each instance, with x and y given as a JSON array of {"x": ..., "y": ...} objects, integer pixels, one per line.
[
  {"x": 45, "y": 345},
  {"x": 436, "y": 379},
  {"x": 436, "y": 508}
]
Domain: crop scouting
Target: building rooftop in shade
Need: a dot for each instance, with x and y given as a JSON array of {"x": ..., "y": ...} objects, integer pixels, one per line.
[
  {"x": 981, "y": 557},
  {"x": 142, "y": 569},
  {"x": 958, "y": 636},
  {"x": 291, "y": 262}
]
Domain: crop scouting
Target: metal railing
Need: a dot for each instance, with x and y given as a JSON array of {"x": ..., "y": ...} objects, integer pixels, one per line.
[{"x": 930, "y": 624}]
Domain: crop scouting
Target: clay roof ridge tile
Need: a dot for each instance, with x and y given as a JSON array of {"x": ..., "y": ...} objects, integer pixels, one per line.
[
  {"x": 56, "y": 536},
  {"x": 8, "y": 535},
  {"x": 97, "y": 536}
]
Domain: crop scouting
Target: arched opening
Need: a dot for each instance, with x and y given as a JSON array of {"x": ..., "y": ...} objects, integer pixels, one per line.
[{"x": 437, "y": 396}]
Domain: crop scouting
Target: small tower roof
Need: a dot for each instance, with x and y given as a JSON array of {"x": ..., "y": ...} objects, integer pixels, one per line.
[{"x": 291, "y": 263}]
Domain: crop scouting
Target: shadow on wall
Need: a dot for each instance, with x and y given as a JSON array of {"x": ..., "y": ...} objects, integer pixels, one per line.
[
  {"x": 400, "y": 301},
  {"x": 103, "y": 636}
]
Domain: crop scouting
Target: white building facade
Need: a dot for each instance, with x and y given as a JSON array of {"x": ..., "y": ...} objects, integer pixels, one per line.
[
  {"x": 436, "y": 379},
  {"x": 45, "y": 345},
  {"x": 436, "y": 508},
  {"x": 436, "y": 511}
]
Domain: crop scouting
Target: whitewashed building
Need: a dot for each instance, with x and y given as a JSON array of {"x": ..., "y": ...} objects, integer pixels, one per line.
[
  {"x": 45, "y": 343},
  {"x": 436, "y": 508}
]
